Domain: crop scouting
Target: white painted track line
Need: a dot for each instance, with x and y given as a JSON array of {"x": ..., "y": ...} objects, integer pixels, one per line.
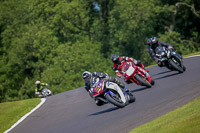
[
  {"x": 191, "y": 56},
  {"x": 24, "y": 117}
]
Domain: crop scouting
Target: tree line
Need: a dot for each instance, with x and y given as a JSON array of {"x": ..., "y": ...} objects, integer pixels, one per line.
[{"x": 54, "y": 41}]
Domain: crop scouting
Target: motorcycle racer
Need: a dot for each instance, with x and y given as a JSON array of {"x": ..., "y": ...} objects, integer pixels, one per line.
[
  {"x": 119, "y": 61},
  {"x": 88, "y": 76},
  {"x": 153, "y": 44},
  {"x": 40, "y": 86}
]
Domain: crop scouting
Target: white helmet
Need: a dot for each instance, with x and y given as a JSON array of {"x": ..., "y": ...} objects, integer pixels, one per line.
[
  {"x": 86, "y": 76},
  {"x": 37, "y": 82}
]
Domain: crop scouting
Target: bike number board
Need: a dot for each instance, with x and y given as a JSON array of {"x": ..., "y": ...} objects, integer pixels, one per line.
[
  {"x": 130, "y": 71},
  {"x": 98, "y": 89}
]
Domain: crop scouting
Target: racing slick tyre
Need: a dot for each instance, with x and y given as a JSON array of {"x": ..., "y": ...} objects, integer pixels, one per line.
[
  {"x": 176, "y": 66},
  {"x": 115, "y": 101},
  {"x": 142, "y": 81},
  {"x": 44, "y": 92},
  {"x": 132, "y": 98}
]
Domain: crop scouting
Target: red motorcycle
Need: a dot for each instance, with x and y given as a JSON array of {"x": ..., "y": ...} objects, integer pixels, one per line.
[{"x": 136, "y": 74}]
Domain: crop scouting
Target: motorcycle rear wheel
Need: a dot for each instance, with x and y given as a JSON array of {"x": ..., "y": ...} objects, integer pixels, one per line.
[{"x": 132, "y": 98}]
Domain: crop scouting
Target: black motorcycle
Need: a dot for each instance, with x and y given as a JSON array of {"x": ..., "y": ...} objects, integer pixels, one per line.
[{"x": 170, "y": 58}]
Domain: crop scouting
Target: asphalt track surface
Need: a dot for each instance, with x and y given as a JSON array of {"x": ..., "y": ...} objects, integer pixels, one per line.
[{"x": 75, "y": 112}]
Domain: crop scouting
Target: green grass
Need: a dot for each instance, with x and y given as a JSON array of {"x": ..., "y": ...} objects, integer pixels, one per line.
[
  {"x": 182, "y": 120},
  {"x": 196, "y": 53},
  {"x": 11, "y": 112}
]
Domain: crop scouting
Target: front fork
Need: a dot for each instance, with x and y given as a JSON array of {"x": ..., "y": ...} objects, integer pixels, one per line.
[
  {"x": 178, "y": 59},
  {"x": 145, "y": 74},
  {"x": 141, "y": 72}
]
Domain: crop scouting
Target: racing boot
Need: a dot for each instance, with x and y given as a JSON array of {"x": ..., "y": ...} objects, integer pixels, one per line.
[
  {"x": 121, "y": 85},
  {"x": 99, "y": 102},
  {"x": 128, "y": 81},
  {"x": 127, "y": 90}
]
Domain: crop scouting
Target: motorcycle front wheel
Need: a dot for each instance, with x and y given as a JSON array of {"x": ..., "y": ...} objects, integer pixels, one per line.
[
  {"x": 46, "y": 92},
  {"x": 143, "y": 81},
  {"x": 176, "y": 66},
  {"x": 114, "y": 100}
]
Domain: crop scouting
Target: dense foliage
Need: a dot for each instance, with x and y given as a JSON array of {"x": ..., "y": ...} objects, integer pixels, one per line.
[{"x": 56, "y": 40}]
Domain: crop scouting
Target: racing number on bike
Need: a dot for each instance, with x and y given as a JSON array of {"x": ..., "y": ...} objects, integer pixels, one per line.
[{"x": 97, "y": 89}]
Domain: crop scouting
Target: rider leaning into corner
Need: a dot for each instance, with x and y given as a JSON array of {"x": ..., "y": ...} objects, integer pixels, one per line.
[
  {"x": 88, "y": 76},
  {"x": 153, "y": 43},
  {"x": 119, "y": 61},
  {"x": 40, "y": 86}
]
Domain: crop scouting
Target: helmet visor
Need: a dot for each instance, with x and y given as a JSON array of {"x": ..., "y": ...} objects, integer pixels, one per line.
[
  {"x": 115, "y": 60},
  {"x": 87, "y": 79}
]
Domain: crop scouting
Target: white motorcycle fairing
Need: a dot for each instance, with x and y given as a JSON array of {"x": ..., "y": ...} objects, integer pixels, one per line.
[{"x": 114, "y": 86}]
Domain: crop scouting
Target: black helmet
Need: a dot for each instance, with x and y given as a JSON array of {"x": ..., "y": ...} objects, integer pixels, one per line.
[
  {"x": 154, "y": 40},
  {"x": 86, "y": 76},
  {"x": 115, "y": 58}
]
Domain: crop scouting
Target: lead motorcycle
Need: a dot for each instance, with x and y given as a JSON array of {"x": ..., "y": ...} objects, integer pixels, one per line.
[
  {"x": 109, "y": 92},
  {"x": 136, "y": 74},
  {"x": 169, "y": 58}
]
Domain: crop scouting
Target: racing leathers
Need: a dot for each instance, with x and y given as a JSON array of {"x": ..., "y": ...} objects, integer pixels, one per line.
[
  {"x": 41, "y": 86},
  {"x": 152, "y": 47}
]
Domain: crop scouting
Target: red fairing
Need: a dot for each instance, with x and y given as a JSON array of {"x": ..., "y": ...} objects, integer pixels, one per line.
[
  {"x": 129, "y": 69},
  {"x": 129, "y": 75},
  {"x": 118, "y": 67},
  {"x": 98, "y": 89}
]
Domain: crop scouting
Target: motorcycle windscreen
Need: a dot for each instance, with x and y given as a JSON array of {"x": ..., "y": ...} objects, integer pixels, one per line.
[
  {"x": 128, "y": 70},
  {"x": 160, "y": 50}
]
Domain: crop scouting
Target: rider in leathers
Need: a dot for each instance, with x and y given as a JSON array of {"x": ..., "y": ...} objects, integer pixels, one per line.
[
  {"x": 88, "y": 76},
  {"x": 40, "y": 86},
  {"x": 153, "y": 44},
  {"x": 119, "y": 61}
]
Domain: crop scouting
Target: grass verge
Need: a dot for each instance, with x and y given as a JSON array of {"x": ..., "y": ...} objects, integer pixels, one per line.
[
  {"x": 185, "y": 119},
  {"x": 192, "y": 54},
  {"x": 11, "y": 112}
]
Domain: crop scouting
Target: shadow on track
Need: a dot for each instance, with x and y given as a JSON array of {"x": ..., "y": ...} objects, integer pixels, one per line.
[
  {"x": 162, "y": 73},
  {"x": 105, "y": 111},
  {"x": 139, "y": 89},
  {"x": 167, "y": 76}
]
